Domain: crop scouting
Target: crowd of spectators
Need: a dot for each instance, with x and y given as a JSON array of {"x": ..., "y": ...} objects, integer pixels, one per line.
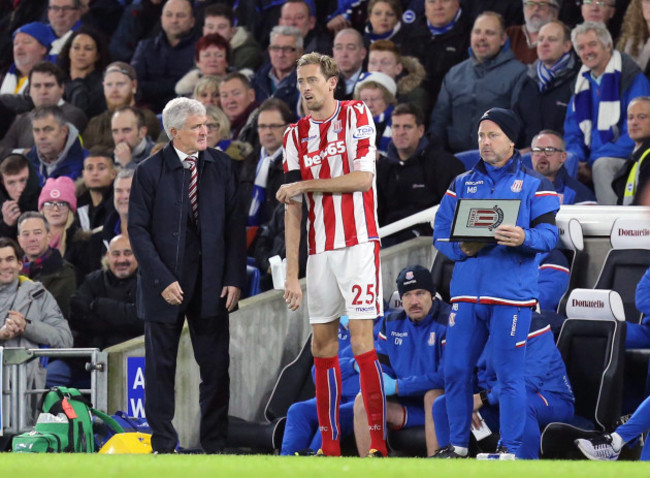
[{"x": 83, "y": 84}]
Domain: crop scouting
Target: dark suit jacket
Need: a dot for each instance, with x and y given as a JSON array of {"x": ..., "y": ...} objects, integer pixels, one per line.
[{"x": 159, "y": 209}]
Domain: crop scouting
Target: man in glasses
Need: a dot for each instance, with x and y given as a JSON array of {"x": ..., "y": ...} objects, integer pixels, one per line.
[
  {"x": 597, "y": 10},
  {"x": 277, "y": 77},
  {"x": 523, "y": 38},
  {"x": 64, "y": 17},
  {"x": 548, "y": 156},
  {"x": 261, "y": 172}
]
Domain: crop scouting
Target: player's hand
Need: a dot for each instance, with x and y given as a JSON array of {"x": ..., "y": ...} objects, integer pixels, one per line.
[
  {"x": 337, "y": 23},
  {"x": 477, "y": 422},
  {"x": 122, "y": 153},
  {"x": 390, "y": 385},
  {"x": 173, "y": 294},
  {"x": 232, "y": 294},
  {"x": 10, "y": 212},
  {"x": 478, "y": 403},
  {"x": 471, "y": 248},
  {"x": 292, "y": 293},
  {"x": 288, "y": 191},
  {"x": 511, "y": 236}
]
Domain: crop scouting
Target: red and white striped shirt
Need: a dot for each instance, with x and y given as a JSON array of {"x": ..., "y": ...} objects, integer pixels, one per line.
[{"x": 343, "y": 143}]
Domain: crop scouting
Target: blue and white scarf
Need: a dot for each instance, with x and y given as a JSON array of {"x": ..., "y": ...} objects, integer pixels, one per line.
[
  {"x": 373, "y": 37},
  {"x": 387, "y": 135},
  {"x": 609, "y": 107},
  {"x": 259, "y": 188},
  {"x": 545, "y": 74},
  {"x": 445, "y": 28}
]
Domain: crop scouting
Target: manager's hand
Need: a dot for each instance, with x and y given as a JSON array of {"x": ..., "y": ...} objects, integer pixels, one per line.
[
  {"x": 173, "y": 294},
  {"x": 232, "y": 294}
]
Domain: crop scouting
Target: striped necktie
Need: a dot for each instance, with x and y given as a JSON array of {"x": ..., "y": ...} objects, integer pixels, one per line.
[{"x": 194, "y": 186}]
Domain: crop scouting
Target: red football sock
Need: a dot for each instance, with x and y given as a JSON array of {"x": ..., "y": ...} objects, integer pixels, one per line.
[
  {"x": 372, "y": 390},
  {"x": 328, "y": 398}
]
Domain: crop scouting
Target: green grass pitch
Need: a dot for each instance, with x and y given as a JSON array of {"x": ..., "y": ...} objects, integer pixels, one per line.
[{"x": 261, "y": 466}]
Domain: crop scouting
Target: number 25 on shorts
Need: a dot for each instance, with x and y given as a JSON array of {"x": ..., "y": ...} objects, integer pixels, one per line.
[{"x": 361, "y": 293}]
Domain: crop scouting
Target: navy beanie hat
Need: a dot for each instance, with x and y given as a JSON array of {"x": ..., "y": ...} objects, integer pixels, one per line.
[
  {"x": 506, "y": 119},
  {"x": 415, "y": 277}
]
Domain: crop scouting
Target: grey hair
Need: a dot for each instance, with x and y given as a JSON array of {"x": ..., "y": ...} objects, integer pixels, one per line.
[
  {"x": 175, "y": 113},
  {"x": 287, "y": 31},
  {"x": 644, "y": 99},
  {"x": 32, "y": 215},
  {"x": 604, "y": 37},
  {"x": 124, "y": 173},
  {"x": 42, "y": 112}
]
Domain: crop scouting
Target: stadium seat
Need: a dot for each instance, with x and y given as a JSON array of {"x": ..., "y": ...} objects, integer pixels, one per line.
[
  {"x": 252, "y": 282},
  {"x": 626, "y": 263},
  {"x": 573, "y": 247},
  {"x": 293, "y": 384},
  {"x": 592, "y": 343},
  {"x": 469, "y": 158}
]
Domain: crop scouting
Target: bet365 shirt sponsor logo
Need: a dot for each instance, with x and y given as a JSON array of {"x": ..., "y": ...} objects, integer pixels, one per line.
[{"x": 332, "y": 149}]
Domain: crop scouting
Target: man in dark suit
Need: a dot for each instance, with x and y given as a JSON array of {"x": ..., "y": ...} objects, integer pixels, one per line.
[{"x": 188, "y": 236}]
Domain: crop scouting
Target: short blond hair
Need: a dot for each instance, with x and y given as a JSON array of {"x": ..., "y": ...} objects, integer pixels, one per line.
[{"x": 328, "y": 65}]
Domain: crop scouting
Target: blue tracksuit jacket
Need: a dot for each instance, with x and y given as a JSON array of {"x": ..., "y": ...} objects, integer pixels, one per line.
[
  {"x": 500, "y": 274},
  {"x": 412, "y": 351}
]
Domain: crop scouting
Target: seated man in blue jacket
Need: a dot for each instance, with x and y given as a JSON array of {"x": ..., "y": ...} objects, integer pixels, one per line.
[
  {"x": 409, "y": 347},
  {"x": 548, "y": 392},
  {"x": 595, "y": 127}
]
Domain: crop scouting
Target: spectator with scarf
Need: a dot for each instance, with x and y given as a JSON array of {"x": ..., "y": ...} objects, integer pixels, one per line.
[
  {"x": 595, "y": 127},
  {"x": 543, "y": 100},
  {"x": 384, "y": 22},
  {"x": 377, "y": 90},
  {"x": 44, "y": 263},
  {"x": 30, "y": 45},
  {"x": 261, "y": 173}
]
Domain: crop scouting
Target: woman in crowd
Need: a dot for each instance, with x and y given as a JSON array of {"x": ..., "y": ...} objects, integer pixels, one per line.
[
  {"x": 384, "y": 21},
  {"x": 83, "y": 59},
  {"x": 219, "y": 135},
  {"x": 207, "y": 91},
  {"x": 377, "y": 90},
  {"x": 635, "y": 34},
  {"x": 212, "y": 55},
  {"x": 58, "y": 203}
]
